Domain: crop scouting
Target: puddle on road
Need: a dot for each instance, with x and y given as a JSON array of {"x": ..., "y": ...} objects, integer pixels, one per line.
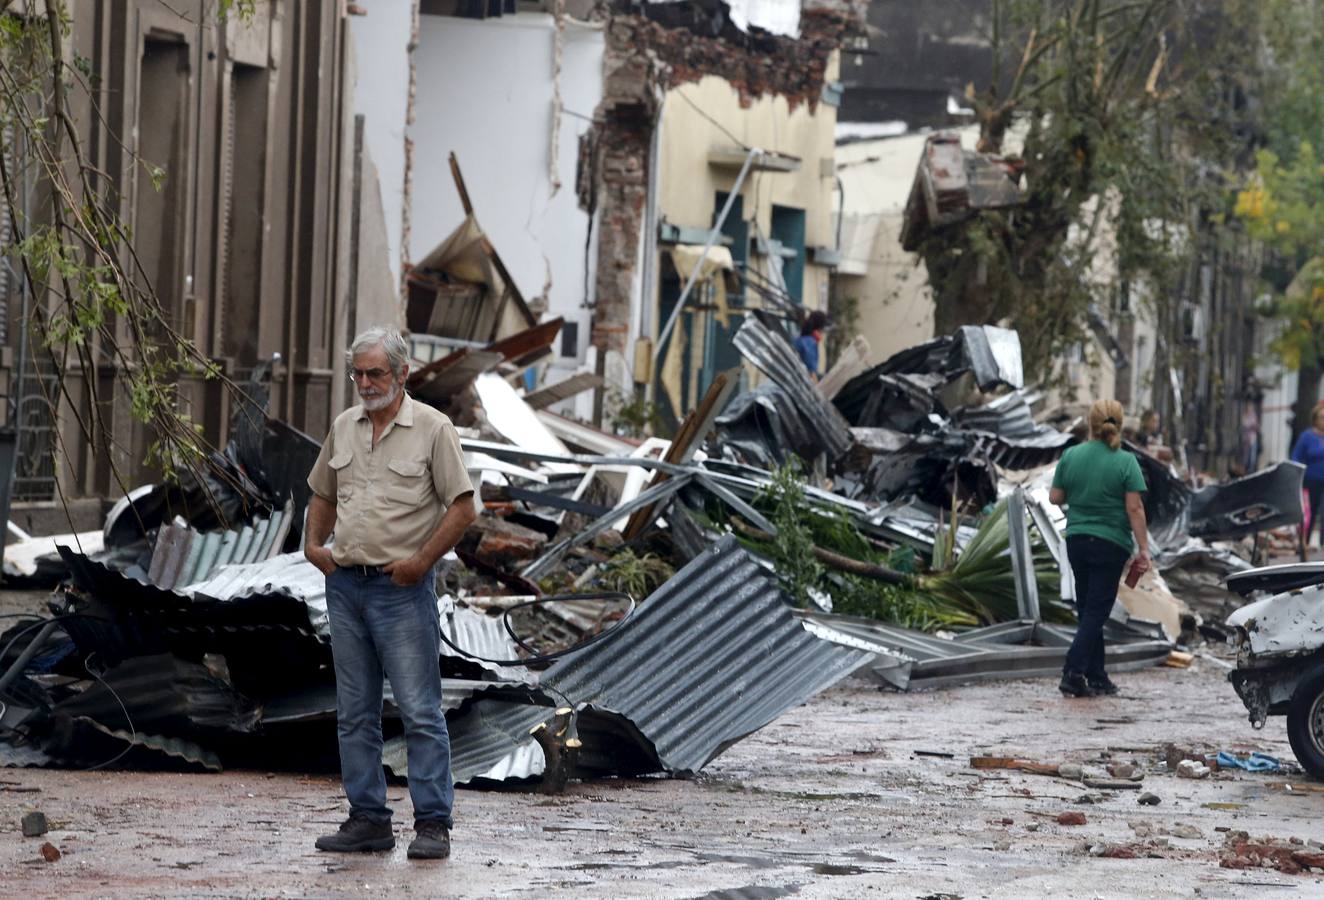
[
  {"x": 833, "y": 869},
  {"x": 817, "y": 866},
  {"x": 754, "y": 892}
]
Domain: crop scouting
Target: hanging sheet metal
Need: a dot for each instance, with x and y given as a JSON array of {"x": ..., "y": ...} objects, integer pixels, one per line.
[{"x": 773, "y": 356}]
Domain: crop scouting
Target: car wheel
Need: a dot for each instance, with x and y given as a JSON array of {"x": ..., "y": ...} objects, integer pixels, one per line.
[{"x": 1305, "y": 722}]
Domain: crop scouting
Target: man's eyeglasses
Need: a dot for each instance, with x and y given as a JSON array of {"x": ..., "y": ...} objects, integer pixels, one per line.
[{"x": 370, "y": 374}]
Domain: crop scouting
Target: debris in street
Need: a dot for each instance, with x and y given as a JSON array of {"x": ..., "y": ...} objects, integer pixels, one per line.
[
  {"x": 1291, "y": 856},
  {"x": 49, "y": 852},
  {"x": 1253, "y": 762},
  {"x": 1071, "y": 818},
  {"x": 209, "y": 629},
  {"x": 1189, "y": 768},
  {"x": 1148, "y": 799},
  {"x": 1005, "y": 762},
  {"x": 34, "y": 824}
]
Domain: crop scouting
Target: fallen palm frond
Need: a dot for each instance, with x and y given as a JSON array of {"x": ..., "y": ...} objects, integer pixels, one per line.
[
  {"x": 980, "y": 580},
  {"x": 821, "y": 554}
]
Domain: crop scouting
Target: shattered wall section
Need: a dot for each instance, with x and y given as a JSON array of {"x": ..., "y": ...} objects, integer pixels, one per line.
[{"x": 643, "y": 60}]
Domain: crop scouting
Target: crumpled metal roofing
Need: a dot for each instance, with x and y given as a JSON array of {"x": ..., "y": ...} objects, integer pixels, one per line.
[
  {"x": 490, "y": 740},
  {"x": 481, "y": 635},
  {"x": 290, "y": 574},
  {"x": 184, "y": 556},
  {"x": 710, "y": 657},
  {"x": 1018, "y": 649},
  {"x": 83, "y": 741},
  {"x": 774, "y": 356},
  {"x": 13, "y": 756}
]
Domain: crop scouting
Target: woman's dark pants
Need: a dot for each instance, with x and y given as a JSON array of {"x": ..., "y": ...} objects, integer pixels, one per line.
[
  {"x": 1096, "y": 565},
  {"x": 1315, "y": 492}
]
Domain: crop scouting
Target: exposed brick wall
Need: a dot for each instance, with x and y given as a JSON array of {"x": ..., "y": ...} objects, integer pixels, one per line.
[{"x": 643, "y": 59}]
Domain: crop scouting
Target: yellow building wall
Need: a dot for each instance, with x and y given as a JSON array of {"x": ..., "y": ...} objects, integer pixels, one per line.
[{"x": 706, "y": 116}]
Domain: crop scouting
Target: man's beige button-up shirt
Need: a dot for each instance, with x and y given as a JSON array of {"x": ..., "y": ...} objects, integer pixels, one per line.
[{"x": 388, "y": 498}]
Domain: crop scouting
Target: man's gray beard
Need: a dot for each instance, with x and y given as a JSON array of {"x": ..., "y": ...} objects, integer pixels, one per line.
[{"x": 375, "y": 403}]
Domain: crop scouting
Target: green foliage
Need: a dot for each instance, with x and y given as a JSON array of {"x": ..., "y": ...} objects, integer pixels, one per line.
[
  {"x": 980, "y": 583},
  {"x": 845, "y": 312},
  {"x": 244, "y": 9},
  {"x": 1103, "y": 105},
  {"x": 633, "y": 416},
  {"x": 1281, "y": 202},
  {"x": 928, "y": 603},
  {"x": 783, "y": 501},
  {"x": 635, "y": 575}
]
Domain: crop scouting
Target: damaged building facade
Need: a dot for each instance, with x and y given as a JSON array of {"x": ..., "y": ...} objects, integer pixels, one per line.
[
  {"x": 309, "y": 181},
  {"x": 598, "y": 149}
]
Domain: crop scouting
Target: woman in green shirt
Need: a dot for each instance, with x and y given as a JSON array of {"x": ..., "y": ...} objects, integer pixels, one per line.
[{"x": 1100, "y": 485}]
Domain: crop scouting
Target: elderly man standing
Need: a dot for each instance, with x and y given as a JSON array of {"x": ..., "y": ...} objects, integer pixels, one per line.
[{"x": 391, "y": 483}]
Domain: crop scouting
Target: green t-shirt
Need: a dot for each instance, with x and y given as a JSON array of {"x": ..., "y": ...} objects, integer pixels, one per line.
[{"x": 1096, "y": 480}]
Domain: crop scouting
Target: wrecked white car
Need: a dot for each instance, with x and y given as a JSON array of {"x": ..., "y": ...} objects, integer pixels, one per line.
[{"x": 1280, "y": 653}]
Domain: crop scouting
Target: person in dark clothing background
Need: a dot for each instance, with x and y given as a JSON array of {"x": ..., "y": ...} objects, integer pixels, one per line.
[
  {"x": 1309, "y": 452},
  {"x": 811, "y": 335},
  {"x": 1100, "y": 485}
]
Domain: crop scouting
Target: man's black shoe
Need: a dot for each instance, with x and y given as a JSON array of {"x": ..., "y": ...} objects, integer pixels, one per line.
[
  {"x": 1102, "y": 685},
  {"x": 358, "y": 834},
  {"x": 432, "y": 841},
  {"x": 1074, "y": 685}
]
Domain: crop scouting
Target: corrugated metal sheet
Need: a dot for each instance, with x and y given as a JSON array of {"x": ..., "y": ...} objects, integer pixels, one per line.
[
  {"x": 491, "y": 740},
  {"x": 1021, "y": 649},
  {"x": 289, "y": 573},
  {"x": 84, "y": 742},
  {"x": 711, "y": 657},
  {"x": 13, "y": 756},
  {"x": 774, "y": 356},
  {"x": 481, "y": 635},
  {"x": 183, "y": 556}
]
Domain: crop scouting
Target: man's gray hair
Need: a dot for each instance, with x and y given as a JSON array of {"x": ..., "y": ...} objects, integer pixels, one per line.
[{"x": 386, "y": 337}]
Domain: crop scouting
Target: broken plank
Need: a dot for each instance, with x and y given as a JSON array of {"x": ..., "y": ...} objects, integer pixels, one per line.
[
  {"x": 1007, "y": 762},
  {"x": 692, "y": 433},
  {"x": 555, "y": 501},
  {"x": 854, "y": 360},
  {"x": 563, "y": 390},
  {"x": 530, "y": 340}
]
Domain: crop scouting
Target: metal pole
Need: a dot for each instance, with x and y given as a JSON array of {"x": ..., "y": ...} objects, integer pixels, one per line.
[
  {"x": 26, "y": 656},
  {"x": 708, "y": 245},
  {"x": 1022, "y": 559}
]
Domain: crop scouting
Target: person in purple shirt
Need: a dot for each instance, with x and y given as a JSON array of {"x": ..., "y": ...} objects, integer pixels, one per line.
[
  {"x": 1309, "y": 451},
  {"x": 811, "y": 335}
]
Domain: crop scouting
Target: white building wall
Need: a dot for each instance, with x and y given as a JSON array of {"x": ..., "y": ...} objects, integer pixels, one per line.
[
  {"x": 381, "y": 96},
  {"x": 486, "y": 92}
]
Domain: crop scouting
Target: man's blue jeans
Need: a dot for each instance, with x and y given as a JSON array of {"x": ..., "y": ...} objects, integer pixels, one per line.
[{"x": 378, "y": 628}]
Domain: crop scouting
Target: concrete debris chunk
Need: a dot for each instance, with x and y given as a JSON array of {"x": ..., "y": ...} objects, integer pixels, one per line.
[
  {"x": 34, "y": 824},
  {"x": 1189, "y": 768}
]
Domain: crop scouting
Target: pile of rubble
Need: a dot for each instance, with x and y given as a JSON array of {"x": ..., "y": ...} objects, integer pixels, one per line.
[{"x": 620, "y": 607}]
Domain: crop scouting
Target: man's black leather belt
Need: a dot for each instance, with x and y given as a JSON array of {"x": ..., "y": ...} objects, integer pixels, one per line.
[{"x": 365, "y": 570}]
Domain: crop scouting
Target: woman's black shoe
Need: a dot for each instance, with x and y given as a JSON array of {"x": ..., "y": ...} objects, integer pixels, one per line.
[
  {"x": 1074, "y": 685},
  {"x": 1102, "y": 685}
]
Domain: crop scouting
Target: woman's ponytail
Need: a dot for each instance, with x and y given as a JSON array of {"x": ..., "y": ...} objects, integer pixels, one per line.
[{"x": 1106, "y": 422}]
